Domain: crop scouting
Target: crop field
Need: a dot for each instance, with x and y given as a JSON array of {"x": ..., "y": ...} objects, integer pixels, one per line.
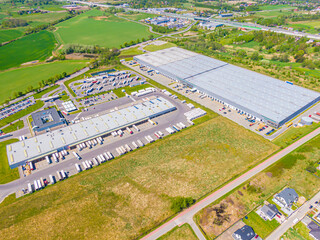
[
  {"x": 153, "y": 48},
  {"x": 275, "y": 7},
  {"x": 36, "y": 46},
  {"x": 308, "y": 26},
  {"x": 129, "y": 195},
  {"x": 263, "y": 186},
  {"x": 39, "y": 18},
  {"x": 92, "y": 28},
  {"x": 9, "y": 34},
  {"x": 271, "y": 14},
  {"x": 6, "y": 173},
  {"x": 184, "y": 232},
  {"x": 19, "y": 79}
]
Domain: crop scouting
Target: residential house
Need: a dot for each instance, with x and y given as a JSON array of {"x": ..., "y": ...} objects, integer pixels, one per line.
[
  {"x": 314, "y": 230},
  {"x": 287, "y": 197},
  {"x": 245, "y": 233},
  {"x": 268, "y": 212}
]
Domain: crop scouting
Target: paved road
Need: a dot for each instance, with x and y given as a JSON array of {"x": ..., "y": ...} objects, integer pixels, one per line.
[
  {"x": 186, "y": 215},
  {"x": 299, "y": 214}
]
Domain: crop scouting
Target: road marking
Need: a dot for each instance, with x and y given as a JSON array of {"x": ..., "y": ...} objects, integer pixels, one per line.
[{"x": 77, "y": 116}]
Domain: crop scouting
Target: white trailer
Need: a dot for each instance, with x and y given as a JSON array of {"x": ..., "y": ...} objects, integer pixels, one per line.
[
  {"x": 76, "y": 155},
  {"x": 102, "y": 158},
  {"x": 63, "y": 174},
  {"x": 151, "y": 139},
  {"x": 135, "y": 145},
  {"x": 78, "y": 167},
  {"x": 59, "y": 176},
  {"x": 140, "y": 143},
  {"x": 52, "y": 179},
  {"x": 106, "y": 156},
  {"x": 110, "y": 155},
  {"x": 88, "y": 164},
  {"x": 48, "y": 160},
  {"x": 30, "y": 189},
  {"x": 99, "y": 159},
  {"x": 128, "y": 148},
  {"x": 124, "y": 149},
  {"x": 94, "y": 142},
  {"x": 161, "y": 134},
  {"x": 118, "y": 151},
  {"x": 39, "y": 184},
  {"x": 35, "y": 185},
  {"x": 42, "y": 182},
  {"x": 84, "y": 165},
  {"x": 96, "y": 162},
  {"x": 31, "y": 165},
  {"x": 147, "y": 138}
]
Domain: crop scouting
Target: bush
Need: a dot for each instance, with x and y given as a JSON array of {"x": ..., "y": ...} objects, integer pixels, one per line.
[
  {"x": 311, "y": 169},
  {"x": 180, "y": 203}
]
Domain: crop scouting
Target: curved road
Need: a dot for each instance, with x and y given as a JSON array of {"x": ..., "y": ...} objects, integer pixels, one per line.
[{"x": 187, "y": 215}]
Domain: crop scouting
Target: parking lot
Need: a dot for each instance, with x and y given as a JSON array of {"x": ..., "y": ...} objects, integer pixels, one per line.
[
  {"x": 16, "y": 107},
  {"x": 123, "y": 142},
  {"x": 106, "y": 82}
]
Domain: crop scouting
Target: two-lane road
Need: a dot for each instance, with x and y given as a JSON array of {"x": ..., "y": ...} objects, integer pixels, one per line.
[{"x": 187, "y": 215}]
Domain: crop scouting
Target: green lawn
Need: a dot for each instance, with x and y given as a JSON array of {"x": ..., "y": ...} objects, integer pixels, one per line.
[
  {"x": 39, "y": 18},
  {"x": 184, "y": 232},
  {"x": 275, "y": 7},
  {"x": 36, "y": 46},
  {"x": 89, "y": 29},
  {"x": 6, "y": 173},
  {"x": 139, "y": 16},
  {"x": 129, "y": 90},
  {"x": 293, "y": 134},
  {"x": 20, "y": 114},
  {"x": 308, "y": 26},
  {"x": 45, "y": 91},
  {"x": 19, "y": 79},
  {"x": 13, "y": 127},
  {"x": 153, "y": 48},
  {"x": 9, "y": 34},
  {"x": 131, "y": 52},
  {"x": 298, "y": 232},
  {"x": 125, "y": 197},
  {"x": 261, "y": 227}
]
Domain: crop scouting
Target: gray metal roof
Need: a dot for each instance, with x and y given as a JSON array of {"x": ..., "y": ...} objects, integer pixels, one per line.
[
  {"x": 267, "y": 96},
  {"x": 45, "y": 144},
  {"x": 289, "y": 195},
  {"x": 244, "y": 233},
  {"x": 270, "y": 210},
  {"x": 46, "y": 118}
]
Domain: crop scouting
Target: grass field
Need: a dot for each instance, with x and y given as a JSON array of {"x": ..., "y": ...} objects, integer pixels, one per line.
[
  {"x": 184, "y": 232},
  {"x": 275, "y": 7},
  {"x": 287, "y": 172},
  {"x": 39, "y": 19},
  {"x": 19, "y": 79},
  {"x": 138, "y": 16},
  {"x": 9, "y": 34},
  {"x": 293, "y": 134},
  {"x": 13, "y": 127},
  {"x": 6, "y": 173},
  {"x": 298, "y": 232},
  {"x": 308, "y": 26},
  {"x": 131, "y": 52},
  {"x": 36, "y": 46},
  {"x": 92, "y": 28},
  {"x": 131, "y": 194},
  {"x": 261, "y": 227},
  {"x": 153, "y": 48},
  {"x": 45, "y": 91},
  {"x": 129, "y": 90}
]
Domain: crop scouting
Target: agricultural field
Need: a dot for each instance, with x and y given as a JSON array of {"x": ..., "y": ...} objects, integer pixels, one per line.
[
  {"x": 33, "y": 47},
  {"x": 42, "y": 18},
  {"x": 93, "y": 28},
  {"x": 19, "y": 79},
  {"x": 6, "y": 173},
  {"x": 308, "y": 26},
  {"x": 276, "y": 7},
  {"x": 131, "y": 194},
  {"x": 138, "y": 16},
  {"x": 262, "y": 187},
  {"x": 184, "y": 232},
  {"x": 9, "y": 34}
]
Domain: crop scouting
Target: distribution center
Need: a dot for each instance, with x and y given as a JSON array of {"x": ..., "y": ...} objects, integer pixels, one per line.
[{"x": 268, "y": 99}]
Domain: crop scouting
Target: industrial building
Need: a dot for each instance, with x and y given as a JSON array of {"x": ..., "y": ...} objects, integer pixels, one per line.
[
  {"x": 46, "y": 119},
  {"x": 65, "y": 138},
  {"x": 265, "y": 98}
]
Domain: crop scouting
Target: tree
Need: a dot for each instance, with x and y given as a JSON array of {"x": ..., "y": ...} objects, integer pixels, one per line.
[{"x": 255, "y": 56}]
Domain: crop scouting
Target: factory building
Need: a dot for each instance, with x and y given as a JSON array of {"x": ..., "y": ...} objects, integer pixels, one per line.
[
  {"x": 42, "y": 145},
  {"x": 267, "y": 99},
  {"x": 46, "y": 119}
]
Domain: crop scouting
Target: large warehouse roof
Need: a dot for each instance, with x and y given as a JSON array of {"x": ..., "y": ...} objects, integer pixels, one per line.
[
  {"x": 44, "y": 144},
  {"x": 260, "y": 95}
]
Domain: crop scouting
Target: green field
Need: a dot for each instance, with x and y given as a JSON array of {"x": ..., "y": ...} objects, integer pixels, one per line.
[
  {"x": 131, "y": 194},
  {"x": 36, "y": 46},
  {"x": 19, "y": 79},
  {"x": 13, "y": 127},
  {"x": 184, "y": 232},
  {"x": 139, "y": 16},
  {"x": 153, "y": 47},
  {"x": 131, "y": 52},
  {"x": 39, "y": 18},
  {"x": 9, "y": 34},
  {"x": 298, "y": 232},
  {"x": 275, "y": 7},
  {"x": 308, "y": 26},
  {"x": 110, "y": 31},
  {"x": 6, "y": 173},
  {"x": 261, "y": 227},
  {"x": 289, "y": 171}
]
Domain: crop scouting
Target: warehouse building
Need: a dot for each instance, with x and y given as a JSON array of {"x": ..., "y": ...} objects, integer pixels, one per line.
[
  {"x": 64, "y": 138},
  {"x": 46, "y": 119},
  {"x": 267, "y": 99}
]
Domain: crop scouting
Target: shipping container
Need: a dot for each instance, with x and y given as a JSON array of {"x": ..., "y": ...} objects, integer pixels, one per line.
[{"x": 30, "y": 189}]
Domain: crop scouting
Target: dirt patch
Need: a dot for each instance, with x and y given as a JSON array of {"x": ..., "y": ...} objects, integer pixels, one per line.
[
  {"x": 190, "y": 33},
  {"x": 100, "y": 18},
  {"x": 75, "y": 56},
  {"x": 301, "y": 200},
  {"x": 31, "y": 62},
  {"x": 219, "y": 217}
]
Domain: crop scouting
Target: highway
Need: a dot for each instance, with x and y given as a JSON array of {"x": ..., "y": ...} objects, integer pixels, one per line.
[
  {"x": 292, "y": 220},
  {"x": 187, "y": 215}
]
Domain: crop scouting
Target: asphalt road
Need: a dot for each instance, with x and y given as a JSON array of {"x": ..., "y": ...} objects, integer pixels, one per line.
[
  {"x": 187, "y": 215},
  {"x": 291, "y": 221}
]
